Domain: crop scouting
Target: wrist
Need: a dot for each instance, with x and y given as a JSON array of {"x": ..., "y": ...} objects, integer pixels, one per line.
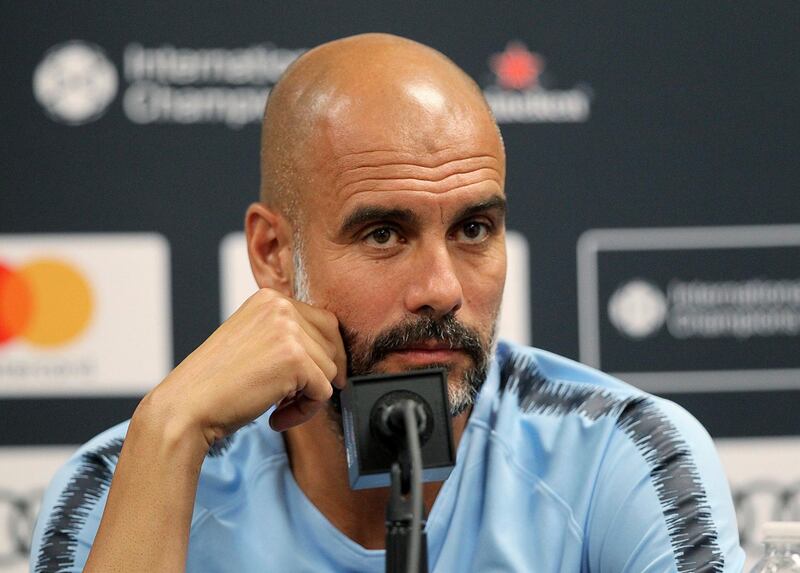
[{"x": 169, "y": 429}]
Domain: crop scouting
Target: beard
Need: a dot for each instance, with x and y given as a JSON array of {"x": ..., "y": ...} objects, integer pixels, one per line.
[{"x": 365, "y": 353}]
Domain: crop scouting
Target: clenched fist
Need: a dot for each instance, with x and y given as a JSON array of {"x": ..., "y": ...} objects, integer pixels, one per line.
[{"x": 272, "y": 350}]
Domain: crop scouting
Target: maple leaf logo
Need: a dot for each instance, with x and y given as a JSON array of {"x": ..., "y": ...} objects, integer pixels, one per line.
[{"x": 517, "y": 67}]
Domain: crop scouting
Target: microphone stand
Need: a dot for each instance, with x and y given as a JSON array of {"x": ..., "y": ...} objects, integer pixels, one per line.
[
  {"x": 387, "y": 419},
  {"x": 399, "y": 514}
]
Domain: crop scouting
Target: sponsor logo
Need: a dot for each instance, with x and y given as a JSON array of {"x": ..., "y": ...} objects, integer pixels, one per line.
[
  {"x": 708, "y": 309},
  {"x": 75, "y": 82},
  {"x": 84, "y": 313},
  {"x": 237, "y": 284},
  {"x": 637, "y": 308},
  {"x": 46, "y": 302},
  {"x": 738, "y": 309},
  {"x": 521, "y": 91},
  {"x": 162, "y": 84},
  {"x": 692, "y": 309}
]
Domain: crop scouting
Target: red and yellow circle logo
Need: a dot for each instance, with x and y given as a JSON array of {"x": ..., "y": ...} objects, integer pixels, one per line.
[{"x": 45, "y": 302}]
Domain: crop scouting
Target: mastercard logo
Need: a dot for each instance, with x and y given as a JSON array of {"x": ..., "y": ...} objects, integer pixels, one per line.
[{"x": 45, "y": 302}]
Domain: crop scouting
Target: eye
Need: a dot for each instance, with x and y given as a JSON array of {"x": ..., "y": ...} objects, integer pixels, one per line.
[
  {"x": 382, "y": 237},
  {"x": 473, "y": 232}
]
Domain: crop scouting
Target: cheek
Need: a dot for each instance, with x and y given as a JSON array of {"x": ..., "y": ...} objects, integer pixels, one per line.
[
  {"x": 363, "y": 295},
  {"x": 483, "y": 285}
]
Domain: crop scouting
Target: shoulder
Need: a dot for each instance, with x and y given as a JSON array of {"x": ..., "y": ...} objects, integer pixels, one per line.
[
  {"x": 546, "y": 384},
  {"x": 547, "y": 389},
  {"x": 568, "y": 406},
  {"x": 613, "y": 452},
  {"x": 73, "y": 504},
  {"x": 522, "y": 366}
]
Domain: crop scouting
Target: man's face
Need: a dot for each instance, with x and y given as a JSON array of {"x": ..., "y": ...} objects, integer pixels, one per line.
[{"x": 403, "y": 240}]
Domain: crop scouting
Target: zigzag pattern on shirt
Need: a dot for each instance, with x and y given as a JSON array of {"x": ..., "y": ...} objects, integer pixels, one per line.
[
  {"x": 89, "y": 483},
  {"x": 219, "y": 447},
  {"x": 677, "y": 483}
]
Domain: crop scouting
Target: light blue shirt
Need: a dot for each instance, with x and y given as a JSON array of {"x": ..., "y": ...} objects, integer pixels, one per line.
[{"x": 561, "y": 468}]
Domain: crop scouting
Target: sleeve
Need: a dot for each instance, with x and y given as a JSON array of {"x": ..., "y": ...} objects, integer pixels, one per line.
[
  {"x": 662, "y": 502},
  {"x": 72, "y": 508}
]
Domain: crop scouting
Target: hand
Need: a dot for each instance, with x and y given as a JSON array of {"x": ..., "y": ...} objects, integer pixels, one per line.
[{"x": 272, "y": 350}]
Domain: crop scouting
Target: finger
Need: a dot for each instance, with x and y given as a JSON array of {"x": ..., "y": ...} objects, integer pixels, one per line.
[
  {"x": 297, "y": 408},
  {"x": 340, "y": 360},
  {"x": 313, "y": 383},
  {"x": 294, "y": 412},
  {"x": 326, "y": 324},
  {"x": 314, "y": 324},
  {"x": 319, "y": 356},
  {"x": 333, "y": 349}
]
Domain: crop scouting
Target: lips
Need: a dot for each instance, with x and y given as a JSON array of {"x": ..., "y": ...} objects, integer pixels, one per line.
[{"x": 423, "y": 353}]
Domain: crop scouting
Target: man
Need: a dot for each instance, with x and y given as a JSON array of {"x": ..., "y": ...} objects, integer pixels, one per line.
[{"x": 379, "y": 246}]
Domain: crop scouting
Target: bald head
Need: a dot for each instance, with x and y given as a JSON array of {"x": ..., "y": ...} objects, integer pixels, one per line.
[{"x": 362, "y": 93}]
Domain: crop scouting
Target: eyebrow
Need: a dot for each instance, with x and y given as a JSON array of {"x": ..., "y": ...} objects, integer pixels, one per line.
[
  {"x": 370, "y": 213},
  {"x": 495, "y": 203}
]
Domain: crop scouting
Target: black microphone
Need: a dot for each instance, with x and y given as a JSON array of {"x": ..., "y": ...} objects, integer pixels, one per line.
[
  {"x": 372, "y": 412},
  {"x": 387, "y": 419}
]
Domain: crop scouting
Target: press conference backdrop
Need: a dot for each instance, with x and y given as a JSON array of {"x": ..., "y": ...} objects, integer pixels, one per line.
[{"x": 652, "y": 183}]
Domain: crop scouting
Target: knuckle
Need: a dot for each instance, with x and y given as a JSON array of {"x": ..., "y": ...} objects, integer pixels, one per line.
[
  {"x": 292, "y": 330},
  {"x": 279, "y": 311},
  {"x": 264, "y": 295},
  {"x": 281, "y": 306},
  {"x": 254, "y": 302},
  {"x": 293, "y": 353}
]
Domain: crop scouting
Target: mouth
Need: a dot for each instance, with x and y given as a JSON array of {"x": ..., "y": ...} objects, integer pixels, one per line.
[{"x": 427, "y": 353}]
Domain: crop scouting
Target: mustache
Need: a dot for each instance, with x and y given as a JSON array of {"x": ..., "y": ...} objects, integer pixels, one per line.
[{"x": 418, "y": 330}]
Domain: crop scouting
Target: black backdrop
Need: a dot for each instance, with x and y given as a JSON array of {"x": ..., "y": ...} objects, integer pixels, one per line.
[{"x": 693, "y": 122}]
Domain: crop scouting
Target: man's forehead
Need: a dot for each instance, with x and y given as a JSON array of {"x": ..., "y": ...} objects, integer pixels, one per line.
[
  {"x": 387, "y": 145},
  {"x": 463, "y": 172},
  {"x": 416, "y": 120}
]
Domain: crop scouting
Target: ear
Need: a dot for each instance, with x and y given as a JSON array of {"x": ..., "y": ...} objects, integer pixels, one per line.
[{"x": 269, "y": 247}]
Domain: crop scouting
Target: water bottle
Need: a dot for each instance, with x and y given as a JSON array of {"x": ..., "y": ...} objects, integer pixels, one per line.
[{"x": 781, "y": 548}]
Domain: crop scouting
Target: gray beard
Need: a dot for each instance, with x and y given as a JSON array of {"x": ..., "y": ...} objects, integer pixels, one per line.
[{"x": 363, "y": 356}]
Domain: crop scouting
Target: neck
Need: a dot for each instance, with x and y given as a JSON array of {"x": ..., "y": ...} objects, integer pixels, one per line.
[{"x": 317, "y": 458}]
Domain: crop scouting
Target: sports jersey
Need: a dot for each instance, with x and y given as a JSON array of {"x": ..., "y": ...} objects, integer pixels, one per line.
[{"x": 560, "y": 468}]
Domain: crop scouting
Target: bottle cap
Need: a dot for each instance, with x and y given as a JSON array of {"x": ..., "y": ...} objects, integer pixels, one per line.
[{"x": 777, "y": 531}]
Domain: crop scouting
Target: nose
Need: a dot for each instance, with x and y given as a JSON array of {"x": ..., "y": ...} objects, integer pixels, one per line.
[{"x": 434, "y": 287}]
